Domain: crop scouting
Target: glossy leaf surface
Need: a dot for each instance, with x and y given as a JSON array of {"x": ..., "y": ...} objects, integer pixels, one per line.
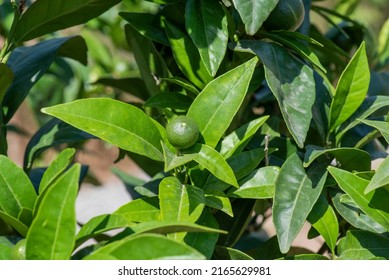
[
  {"x": 222, "y": 97},
  {"x": 140, "y": 210},
  {"x": 380, "y": 178},
  {"x": 206, "y": 24},
  {"x": 45, "y": 16},
  {"x": 351, "y": 89},
  {"x": 374, "y": 204},
  {"x": 296, "y": 192},
  {"x": 52, "y": 232},
  {"x": 122, "y": 124}
]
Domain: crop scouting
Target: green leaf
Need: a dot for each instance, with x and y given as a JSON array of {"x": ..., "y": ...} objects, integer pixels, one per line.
[
  {"x": 133, "y": 85},
  {"x": 29, "y": 64},
  {"x": 15, "y": 223},
  {"x": 178, "y": 202},
  {"x": 56, "y": 168},
  {"x": 260, "y": 184},
  {"x": 242, "y": 164},
  {"x": 149, "y": 25},
  {"x": 306, "y": 257},
  {"x": 218, "y": 200},
  {"x": 100, "y": 224},
  {"x": 140, "y": 210},
  {"x": 187, "y": 56},
  {"x": 226, "y": 253},
  {"x": 6, "y": 77},
  {"x": 52, "y": 232},
  {"x": 45, "y": 16},
  {"x": 172, "y": 161},
  {"x": 351, "y": 89},
  {"x": 324, "y": 220},
  {"x": 182, "y": 83},
  {"x": 363, "y": 245},
  {"x": 381, "y": 126},
  {"x": 292, "y": 83},
  {"x": 122, "y": 125},
  {"x": 235, "y": 142},
  {"x": 222, "y": 97},
  {"x": 206, "y": 24},
  {"x": 369, "y": 106},
  {"x": 5, "y": 248},
  {"x": 383, "y": 44},
  {"x": 16, "y": 190},
  {"x": 172, "y": 100},
  {"x": 355, "y": 216},
  {"x": 214, "y": 162},
  {"x": 254, "y": 13},
  {"x": 380, "y": 178},
  {"x": 204, "y": 242},
  {"x": 148, "y": 247},
  {"x": 296, "y": 192},
  {"x": 351, "y": 159},
  {"x": 374, "y": 204}
]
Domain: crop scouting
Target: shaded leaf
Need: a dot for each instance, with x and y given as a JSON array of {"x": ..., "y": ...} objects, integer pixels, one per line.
[
  {"x": 296, "y": 192},
  {"x": 222, "y": 97},
  {"x": 45, "y": 16},
  {"x": 381, "y": 126},
  {"x": 172, "y": 100},
  {"x": 374, "y": 204},
  {"x": 19, "y": 226},
  {"x": 351, "y": 89},
  {"x": 124, "y": 125},
  {"x": 227, "y": 253},
  {"x": 6, "y": 77},
  {"x": 183, "y": 83},
  {"x": 218, "y": 200},
  {"x": 206, "y": 24},
  {"x": 52, "y": 232}
]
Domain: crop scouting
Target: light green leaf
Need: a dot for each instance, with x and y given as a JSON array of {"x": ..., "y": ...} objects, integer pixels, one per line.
[
  {"x": 324, "y": 220},
  {"x": 222, "y": 97},
  {"x": 173, "y": 161},
  {"x": 351, "y": 89},
  {"x": 374, "y": 204},
  {"x": 187, "y": 56},
  {"x": 16, "y": 224},
  {"x": 260, "y": 184},
  {"x": 214, "y": 162},
  {"x": 56, "y": 168},
  {"x": 148, "y": 247},
  {"x": 380, "y": 178},
  {"x": 381, "y": 126},
  {"x": 354, "y": 215},
  {"x": 46, "y": 16},
  {"x": 100, "y": 224},
  {"x": 235, "y": 142},
  {"x": 52, "y": 232},
  {"x": 218, "y": 200},
  {"x": 206, "y": 24},
  {"x": 296, "y": 192},
  {"x": 143, "y": 209},
  {"x": 292, "y": 83},
  {"x": 5, "y": 248},
  {"x": 113, "y": 121},
  {"x": 254, "y": 13},
  {"x": 16, "y": 190},
  {"x": 6, "y": 77},
  {"x": 351, "y": 159},
  {"x": 363, "y": 245}
]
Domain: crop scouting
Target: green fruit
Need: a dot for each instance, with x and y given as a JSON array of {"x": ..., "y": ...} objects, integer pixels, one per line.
[
  {"x": 19, "y": 250},
  {"x": 182, "y": 132},
  {"x": 287, "y": 15}
]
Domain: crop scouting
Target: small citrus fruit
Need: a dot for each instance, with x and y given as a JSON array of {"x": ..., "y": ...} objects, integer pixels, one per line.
[
  {"x": 182, "y": 132},
  {"x": 19, "y": 250},
  {"x": 287, "y": 15}
]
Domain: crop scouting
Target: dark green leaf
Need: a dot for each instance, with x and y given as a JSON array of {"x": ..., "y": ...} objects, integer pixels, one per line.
[
  {"x": 291, "y": 82},
  {"x": 324, "y": 220},
  {"x": 6, "y": 77},
  {"x": 122, "y": 124},
  {"x": 222, "y": 97},
  {"x": 172, "y": 100},
  {"x": 363, "y": 245},
  {"x": 306, "y": 257},
  {"x": 218, "y": 200},
  {"x": 260, "y": 184},
  {"x": 52, "y": 232},
  {"x": 254, "y": 13},
  {"x": 374, "y": 204},
  {"x": 30, "y": 63},
  {"x": 46, "y": 16},
  {"x": 381, "y": 126},
  {"x": 16, "y": 190},
  {"x": 183, "y": 83},
  {"x": 206, "y": 24},
  {"x": 134, "y": 86},
  {"x": 226, "y": 253},
  {"x": 296, "y": 192},
  {"x": 148, "y": 247},
  {"x": 187, "y": 56},
  {"x": 351, "y": 159},
  {"x": 351, "y": 89}
]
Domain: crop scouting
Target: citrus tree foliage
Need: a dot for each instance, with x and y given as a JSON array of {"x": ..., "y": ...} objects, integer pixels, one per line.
[{"x": 243, "y": 108}]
